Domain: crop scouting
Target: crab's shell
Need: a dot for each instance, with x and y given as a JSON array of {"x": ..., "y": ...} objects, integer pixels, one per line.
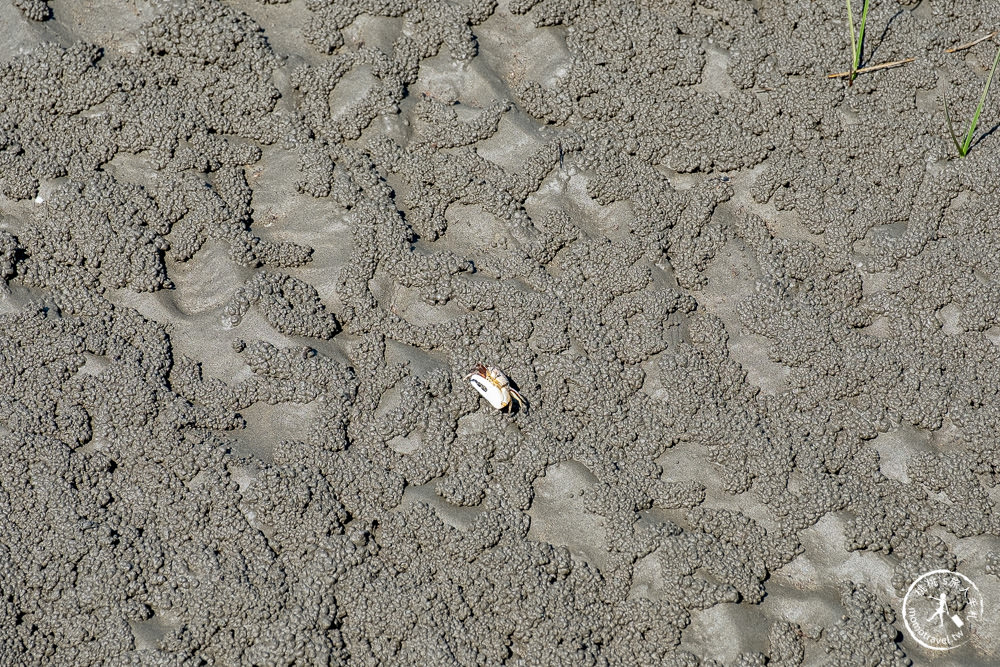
[{"x": 498, "y": 397}]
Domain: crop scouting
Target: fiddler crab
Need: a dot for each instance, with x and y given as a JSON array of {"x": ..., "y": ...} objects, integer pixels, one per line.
[{"x": 495, "y": 387}]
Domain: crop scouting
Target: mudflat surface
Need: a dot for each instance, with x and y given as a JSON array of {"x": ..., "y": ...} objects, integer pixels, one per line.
[{"x": 250, "y": 249}]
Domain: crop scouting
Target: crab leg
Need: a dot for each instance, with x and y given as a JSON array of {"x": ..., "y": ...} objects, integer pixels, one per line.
[{"x": 516, "y": 395}]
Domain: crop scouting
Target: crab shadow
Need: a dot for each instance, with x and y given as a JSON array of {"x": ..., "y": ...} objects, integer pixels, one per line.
[{"x": 515, "y": 405}]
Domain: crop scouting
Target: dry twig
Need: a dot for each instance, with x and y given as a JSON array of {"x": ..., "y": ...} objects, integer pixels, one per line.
[
  {"x": 895, "y": 63},
  {"x": 956, "y": 49}
]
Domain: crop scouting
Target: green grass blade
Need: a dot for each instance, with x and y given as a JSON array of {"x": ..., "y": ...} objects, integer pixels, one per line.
[
  {"x": 951, "y": 128},
  {"x": 854, "y": 50},
  {"x": 979, "y": 109},
  {"x": 861, "y": 36}
]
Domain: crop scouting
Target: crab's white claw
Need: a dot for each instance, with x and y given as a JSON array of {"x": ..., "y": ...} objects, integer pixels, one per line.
[{"x": 495, "y": 395}]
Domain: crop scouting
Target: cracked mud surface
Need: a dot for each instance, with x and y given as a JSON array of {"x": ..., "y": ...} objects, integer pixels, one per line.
[{"x": 249, "y": 249}]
